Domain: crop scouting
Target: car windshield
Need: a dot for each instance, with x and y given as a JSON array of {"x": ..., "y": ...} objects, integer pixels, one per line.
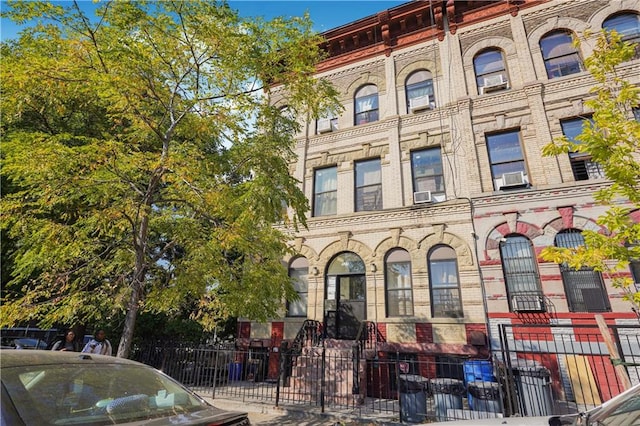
[
  {"x": 624, "y": 410},
  {"x": 94, "y": 394}
]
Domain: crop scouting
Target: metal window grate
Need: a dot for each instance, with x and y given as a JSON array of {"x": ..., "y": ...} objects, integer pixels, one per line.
[{"x": 584, "y": 287}]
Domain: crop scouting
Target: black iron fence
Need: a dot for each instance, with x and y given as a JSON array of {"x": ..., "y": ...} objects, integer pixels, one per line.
[
  {"x": 540, "y": 370},
  {"x": 566, "y": 369}
]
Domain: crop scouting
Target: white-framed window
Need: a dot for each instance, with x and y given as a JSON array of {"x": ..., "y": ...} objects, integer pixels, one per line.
[
  {"x": 368, "y": 175},
  {"x": 325, "y": 192},
  {"x": 428, "y": 175},
  {"x": 491, "y": 73},
  {"x": 299, "y": 273},
  {"x": 444, "y": 283},
  {"x": 397, "y": 279},
  {"x": 419, "y": 91},
  {"x": 560, "y": 55},
  {"x": 508, "y": 168},
  {"x": 366, "y": 104}
]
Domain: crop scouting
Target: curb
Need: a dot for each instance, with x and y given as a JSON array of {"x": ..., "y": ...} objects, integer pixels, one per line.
[{"x": 300, "y": 412}]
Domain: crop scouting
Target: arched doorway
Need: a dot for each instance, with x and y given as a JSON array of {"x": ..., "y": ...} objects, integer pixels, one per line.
[{"x": 345, "y": 296}]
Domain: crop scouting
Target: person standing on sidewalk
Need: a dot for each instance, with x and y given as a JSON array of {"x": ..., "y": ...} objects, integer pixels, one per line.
[
  {"x": 69, "y": 343},
  {"x": 98, "y": 345}
]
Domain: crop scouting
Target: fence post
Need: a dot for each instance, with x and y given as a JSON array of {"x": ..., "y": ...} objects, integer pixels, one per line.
[
  {"x": 399, "y": 390},
  {"x": 323, "y": 382},
  {"x": 621, "y": 371},
  {"x": 355, "y": 388},
  {"x": 282, "y": 365}
]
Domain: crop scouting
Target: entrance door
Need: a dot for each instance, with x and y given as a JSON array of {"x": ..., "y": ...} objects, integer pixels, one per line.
[
  {"x": 345, "y": 296},
  {"x": 351, "y": 305}
]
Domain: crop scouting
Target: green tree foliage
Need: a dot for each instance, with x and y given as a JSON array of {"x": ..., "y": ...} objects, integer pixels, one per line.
[
  {"x": 146, "y": 161},
  {"x": 611, "y": 138}
]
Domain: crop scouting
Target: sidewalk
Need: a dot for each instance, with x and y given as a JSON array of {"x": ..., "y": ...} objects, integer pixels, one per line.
[{"x": 264, "y": 414}]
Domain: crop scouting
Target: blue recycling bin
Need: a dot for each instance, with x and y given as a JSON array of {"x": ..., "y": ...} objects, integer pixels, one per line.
[
  {"x": 235, "y": 371},
  {"x": 475, "y": 370},
  {"x": 447, "y": 394}
]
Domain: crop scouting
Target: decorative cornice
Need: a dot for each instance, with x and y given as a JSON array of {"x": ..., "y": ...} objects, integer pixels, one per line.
[
  {"x": 354, "y": 132},
  {"x": 355, "y": 153},
  {"x": 356, "y": 69},
  {"x": 434, "y": 213},
  {"x": 503, "y": 98},
  {"x": 552, "y": 193}
]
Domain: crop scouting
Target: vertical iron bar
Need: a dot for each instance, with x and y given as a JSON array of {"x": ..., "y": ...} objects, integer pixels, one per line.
[{"x": 323, "y": 383}]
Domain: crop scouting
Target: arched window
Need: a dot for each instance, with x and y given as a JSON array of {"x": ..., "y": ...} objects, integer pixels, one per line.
[
  {"x": 584, "y": 287},
  {"x": 444, "y": 283},
  {"x": 521, "y": 276},
  {"x": 366, "y": 104},
  {"x": 419, "y": 90},
  {"x": 560, "y": 56},
  {"x": 628, "y": 26},
  {"x": 299, "y": 272},
  {"x": 625, "y": 24},
  {"x": 491, "y": 73},
  {"x": 397, "y": 279}
]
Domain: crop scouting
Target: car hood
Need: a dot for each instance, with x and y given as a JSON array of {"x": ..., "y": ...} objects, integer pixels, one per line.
[
  {"x": 207, "y": 417},
  {"x": 512, "y": 421}
]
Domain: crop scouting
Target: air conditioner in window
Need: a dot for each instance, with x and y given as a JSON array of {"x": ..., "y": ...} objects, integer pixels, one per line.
[
  {"x": 493, "y": 83},
  {"x": 324, "y": 125},
  {"x": 528, "y": 303},
  {"x": 421, "y": 197},
  {"x": 513, "y": 179},
  {"x": 420, "y": 103}
]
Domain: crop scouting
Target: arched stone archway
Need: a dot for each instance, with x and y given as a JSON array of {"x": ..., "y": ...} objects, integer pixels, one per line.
[{"x": 462, "y": 249}]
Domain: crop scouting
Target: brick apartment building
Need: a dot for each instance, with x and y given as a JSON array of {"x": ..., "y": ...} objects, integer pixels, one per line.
[{"x": 430, "y": 199}]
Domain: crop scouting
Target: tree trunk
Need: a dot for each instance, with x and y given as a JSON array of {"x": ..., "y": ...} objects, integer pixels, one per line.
[{"x": 129, "y": 322}]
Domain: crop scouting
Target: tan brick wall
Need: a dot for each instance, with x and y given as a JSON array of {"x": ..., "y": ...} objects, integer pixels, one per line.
[{"x": 533, "y": 104}]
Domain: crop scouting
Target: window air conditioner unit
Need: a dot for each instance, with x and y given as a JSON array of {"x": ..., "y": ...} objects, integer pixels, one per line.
[
  {"x": 420, "y": 103},
  {"x": 513, "y": 179},
  {"x": 324, "y": 125},
  {"x": 528, "y": 303},
  {"x": 493, "y": 83},
  {"x": 421, "y": 197}
]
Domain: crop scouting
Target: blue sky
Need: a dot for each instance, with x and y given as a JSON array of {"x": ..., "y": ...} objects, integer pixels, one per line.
[{"x": 325, "y": 14}]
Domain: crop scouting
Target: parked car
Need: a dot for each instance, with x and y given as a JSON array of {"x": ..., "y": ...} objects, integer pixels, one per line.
[
  {"x": 14, "y": 342},
  {"x": 55, "y": 388},
  {"x": 621, "y": 410}
]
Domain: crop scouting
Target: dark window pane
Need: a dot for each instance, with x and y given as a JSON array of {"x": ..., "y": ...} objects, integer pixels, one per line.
[{"x": 584, "y": 287}]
